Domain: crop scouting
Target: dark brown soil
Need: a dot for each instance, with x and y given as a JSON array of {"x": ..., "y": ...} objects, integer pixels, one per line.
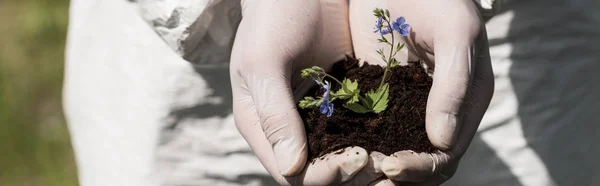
[{"x": 400, "y": 127}]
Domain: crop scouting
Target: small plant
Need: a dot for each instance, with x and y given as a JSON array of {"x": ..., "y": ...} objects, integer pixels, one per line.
[{"x": 375, "y": 101}]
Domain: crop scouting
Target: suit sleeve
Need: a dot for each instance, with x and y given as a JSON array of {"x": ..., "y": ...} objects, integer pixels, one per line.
[{"x": 200, "y": 31}]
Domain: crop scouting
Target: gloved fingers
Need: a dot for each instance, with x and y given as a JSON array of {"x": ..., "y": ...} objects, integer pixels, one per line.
[
  {"x": 334, "y": 169},
  {"x": 371, "y": 171},
  {"x": 475, "y": 100},
  {"x": 479, "y": 96},
  {"x": 339, "y": 168},
  {"x": 435, "y": 181},
  {"x": 278, "y": 119},
  {"x": 316, "y": 34},
  {"x": 455, "y": 60},
  {"x": 409, "y": 166},
  {"x": 443, "y": 35},
  {"x": 335, "y": 40},
  {"x": 388, "y": 182},
  {"x": 450, "y": 82},
  {"x": 264, "y": 110},
  {"x": 261, "y": 80},
  {"x": 382, "y": 182}
]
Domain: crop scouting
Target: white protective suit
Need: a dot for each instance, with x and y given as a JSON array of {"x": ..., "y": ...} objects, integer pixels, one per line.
[{"x": 140, "y": 114}]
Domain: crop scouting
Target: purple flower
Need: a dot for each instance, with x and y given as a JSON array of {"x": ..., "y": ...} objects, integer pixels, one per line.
[
  {"x": 386, "y": 31},
  {"x": 401, "y": 26},
  {"x": 327, "y": 88},
  {"x": 378, "y": 25},
  {"x": 383, "y": 30},
  {"x": 326, "y": 107}
]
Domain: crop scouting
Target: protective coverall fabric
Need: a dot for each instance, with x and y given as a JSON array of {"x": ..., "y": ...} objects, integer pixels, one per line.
[{"x": 141, "y": 115}]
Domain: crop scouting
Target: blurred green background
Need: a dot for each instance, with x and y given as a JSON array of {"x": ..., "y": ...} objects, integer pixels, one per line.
[{"x": 34, "y": 141}]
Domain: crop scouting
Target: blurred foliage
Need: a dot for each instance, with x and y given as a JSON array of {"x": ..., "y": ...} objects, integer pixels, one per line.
[{"x": 34, "y": 141}]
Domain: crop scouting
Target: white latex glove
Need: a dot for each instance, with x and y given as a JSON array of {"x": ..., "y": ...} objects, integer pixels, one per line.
[
  {"x": 450, "y": 37},
  {"x": 275, "y": 40}
]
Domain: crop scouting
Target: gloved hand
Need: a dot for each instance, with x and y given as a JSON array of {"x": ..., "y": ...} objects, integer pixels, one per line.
[
  {"x": 450, "y": 37},
  {"x": 275, "y": 40}
]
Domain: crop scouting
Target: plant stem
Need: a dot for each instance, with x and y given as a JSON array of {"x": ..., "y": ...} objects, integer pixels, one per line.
[
  {"x": 387, "y": 66},
  {"x": 335, "y": 79}
]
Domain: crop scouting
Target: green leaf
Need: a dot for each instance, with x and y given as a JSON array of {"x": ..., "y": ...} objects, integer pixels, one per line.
[
  {"x": 394, "y": 62},
  {"x": 353, "y": 99},
  {"x": 350, "y": 85},
  {"x": 317, "y": 69},
  {"x": 387, "y": 12},
  {"x": 380, "y": 52},
  {"x": 379, "y": 98},
  {"x": 357, "y": 108},
  {"x": 367, "y": 103},
  {"x": 399, "y": 47},
  {"x": 383, "y": 40},
  {"x": 310, "y": 102},
  {"x": 349, "y": 91},
  {"x": 311, "y": 72},
  {"x": 378, "y": 12},
  {"x": 306, "y": 73}
]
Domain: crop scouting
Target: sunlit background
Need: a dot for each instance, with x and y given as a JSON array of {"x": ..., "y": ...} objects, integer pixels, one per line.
[{"x": 34, "y": 142}]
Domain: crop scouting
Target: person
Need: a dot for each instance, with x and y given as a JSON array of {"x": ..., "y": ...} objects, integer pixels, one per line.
[{"x": 149, "y": 104}]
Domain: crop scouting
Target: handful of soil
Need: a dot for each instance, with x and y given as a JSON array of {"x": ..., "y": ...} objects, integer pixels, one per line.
[{"x": 400, "y": 127}]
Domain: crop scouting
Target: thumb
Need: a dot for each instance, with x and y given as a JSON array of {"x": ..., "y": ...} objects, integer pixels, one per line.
[
  {"x": 450, "y": 82},
  {"x": 451, "y": 79},
  {"x": 279, "y": 119}
]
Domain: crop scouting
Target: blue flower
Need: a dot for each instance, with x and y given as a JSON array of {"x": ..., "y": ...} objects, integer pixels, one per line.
[
  {"x": 401, "y": 26},
  {"x": 326, "y": 107},
  {"x": 386, "y": 31},
  {"x": 383, "y": 30},
  {"x": 378, "y": 25}
]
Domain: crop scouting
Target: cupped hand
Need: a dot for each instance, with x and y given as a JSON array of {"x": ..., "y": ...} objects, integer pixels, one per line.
[
  {"x": 275, "y": 40},
  {"x": 451, "y": 38}
]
